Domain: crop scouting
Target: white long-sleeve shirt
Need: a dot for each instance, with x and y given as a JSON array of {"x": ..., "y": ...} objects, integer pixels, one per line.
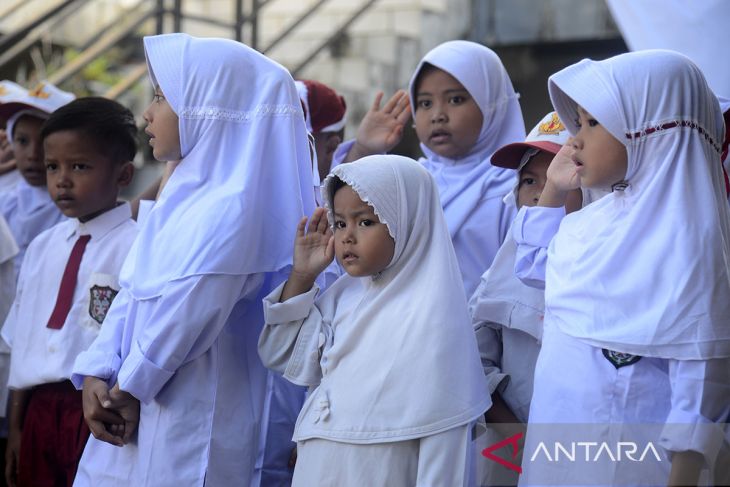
[
  {"x": 189, "y": 355},
  {"x": 699, "y": 388}
]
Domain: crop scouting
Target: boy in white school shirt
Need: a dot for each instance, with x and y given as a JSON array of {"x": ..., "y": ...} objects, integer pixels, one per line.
[{"x": 66, "y": 286}]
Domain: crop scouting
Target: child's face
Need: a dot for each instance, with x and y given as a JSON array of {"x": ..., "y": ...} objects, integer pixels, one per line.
[
  {"x": 163, "y": 128},
  {"x": 448, "y": 120},
  {"x": 363, "y": 245},
  {"x": 325, "y": 144},
  {"x": 28, "y": 150},
  {"x": 600, "y": 158},
  {"x": 82, "y": 181},
  {"x": 532, "y": 179}
]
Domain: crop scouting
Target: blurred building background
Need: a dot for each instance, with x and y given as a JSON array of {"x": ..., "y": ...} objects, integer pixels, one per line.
[{"x": 357, "y": 46}]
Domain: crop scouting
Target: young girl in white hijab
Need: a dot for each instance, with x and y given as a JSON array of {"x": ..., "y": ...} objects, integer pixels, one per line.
[
  {"x": 464, "y": 108},
  {"x": 388, "y": 349},
  {"x": 637, "y": 320},
  {"x": 179, "y": 344}
]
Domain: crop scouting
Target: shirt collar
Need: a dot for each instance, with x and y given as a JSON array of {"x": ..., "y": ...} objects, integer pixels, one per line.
[{"x": 101, "y": 225}]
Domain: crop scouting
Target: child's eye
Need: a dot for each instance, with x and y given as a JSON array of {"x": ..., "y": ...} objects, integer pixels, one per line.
[
  {"x": 592, "y": 122},
  {"x": 79, "y": 166},
  {"x": 366, "y": 223},
  {"x": 424, "y": 104},
  {"x": 527, "y": 181},
  {"x": 51, "y": 166},
  {"x": 157, "y": 97},
  {"x": 339, "y": 225},
  {"x": 457, "y": 100},
  {"x": 577, "y": 122},
  {"x": 23, "y": 141}
]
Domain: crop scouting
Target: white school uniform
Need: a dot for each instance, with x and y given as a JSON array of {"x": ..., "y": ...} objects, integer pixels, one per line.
[
  {"x": 9, "y": 180},
  {"x": 8, "y": 250},
  {"x": 471, "y": 189},
  {"x": 29, "y": 210},
  {"x": 638, "y": 321},
  {"x": 181, "y": 336},
  {"x": 384, "y": 370},
  {"x": 41, "y": 355}
]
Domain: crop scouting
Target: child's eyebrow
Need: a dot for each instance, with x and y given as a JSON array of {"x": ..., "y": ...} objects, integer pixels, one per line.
[
  {"x": 364, "y": 211},
  {"x": 447, "y": 92}
]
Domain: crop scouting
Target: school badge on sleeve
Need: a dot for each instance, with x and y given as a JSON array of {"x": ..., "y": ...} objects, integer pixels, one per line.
[{"x": 100, "y": 301}]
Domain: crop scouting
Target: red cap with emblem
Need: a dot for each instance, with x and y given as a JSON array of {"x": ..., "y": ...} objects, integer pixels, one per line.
[{"x": 549, "y": 135}]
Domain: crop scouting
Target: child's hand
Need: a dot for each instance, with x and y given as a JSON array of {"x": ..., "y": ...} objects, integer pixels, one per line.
[
  {"x": 315, "y": 248},
  {"x": 561, "y": 172},
  {"x": 6, "y": 152},
  {"x": 381, "y": 129},
  {"x": 12, "y": 453},
  {"x": 126, "y": 406},
  {"x": 100, "y": 419}
]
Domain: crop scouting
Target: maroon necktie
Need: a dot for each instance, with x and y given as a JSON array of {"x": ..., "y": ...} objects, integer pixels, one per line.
[{"x": 68, "y": 284}]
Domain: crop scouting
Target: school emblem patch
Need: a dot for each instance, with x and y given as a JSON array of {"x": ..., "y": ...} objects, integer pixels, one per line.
[
  {"x": 38, "y": 92},
  {"x": 3, "y": 91},
  {"x": 619, "y": 359},
  {"x": 100, "y": 302},
  {"x": 552, "y": 127}
]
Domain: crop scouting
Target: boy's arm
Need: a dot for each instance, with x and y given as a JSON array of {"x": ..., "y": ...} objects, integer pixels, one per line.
[{"x": 18, "y": 405}]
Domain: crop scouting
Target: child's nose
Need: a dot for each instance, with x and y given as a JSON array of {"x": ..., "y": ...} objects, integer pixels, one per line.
[
  {"x": 439, "y": 115},
  {"x": 36, "y": 151}
]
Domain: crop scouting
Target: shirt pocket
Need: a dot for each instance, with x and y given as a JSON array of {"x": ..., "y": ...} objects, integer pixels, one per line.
[{"x": 101, "y": 289}]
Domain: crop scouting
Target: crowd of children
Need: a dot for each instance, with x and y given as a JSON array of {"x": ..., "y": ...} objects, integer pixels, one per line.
[{"x": 292, "y": 309}]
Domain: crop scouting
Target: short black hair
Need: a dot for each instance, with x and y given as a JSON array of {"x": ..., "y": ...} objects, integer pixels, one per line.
[{"x": 109, "y": 125}]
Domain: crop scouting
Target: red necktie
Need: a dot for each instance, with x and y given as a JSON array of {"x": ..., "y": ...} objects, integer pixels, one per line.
[{"x": 68, "y": 284}]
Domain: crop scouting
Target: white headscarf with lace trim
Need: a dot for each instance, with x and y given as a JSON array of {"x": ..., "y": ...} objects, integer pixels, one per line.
[{"x": 409, "y": 365}]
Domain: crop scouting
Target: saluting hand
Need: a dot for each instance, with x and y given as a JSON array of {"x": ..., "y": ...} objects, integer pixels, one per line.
[
  {"x": 382, "y": 128},
  {"x": 314, "y": 250},
  {"x": 561, "y": 171}
]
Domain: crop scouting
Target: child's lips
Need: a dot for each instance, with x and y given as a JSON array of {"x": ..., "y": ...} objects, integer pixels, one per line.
[
  {"x": 349, "y": 257},
  {"x": 65, "y": 200},
  {"x": 439, "y": 137}
]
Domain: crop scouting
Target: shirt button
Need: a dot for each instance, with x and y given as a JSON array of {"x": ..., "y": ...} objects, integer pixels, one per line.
[{"x": 52, "y": 349}]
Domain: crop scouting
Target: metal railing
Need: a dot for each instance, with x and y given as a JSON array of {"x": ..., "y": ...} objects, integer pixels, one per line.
[{"x": 244, "y": 27}]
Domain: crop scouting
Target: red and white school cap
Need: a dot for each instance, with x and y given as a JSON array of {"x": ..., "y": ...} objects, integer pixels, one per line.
[
  {"x": 324, "y": 109},
  {"x": 9, "y": 89},
  {"x": 45, "y": 98},
  {"x": 548, "y": 135}
]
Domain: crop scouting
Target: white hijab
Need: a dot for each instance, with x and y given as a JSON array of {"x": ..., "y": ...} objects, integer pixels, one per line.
[
  {"x": 645, "y": 271},
  {"x": 465, "y": 182},
  {"x": 245, "y": 177},
  {"x": 413, "y": 367}
]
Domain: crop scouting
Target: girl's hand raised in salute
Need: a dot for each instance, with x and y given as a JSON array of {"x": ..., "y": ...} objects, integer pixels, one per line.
[
  {"x": 314, "y": 250},
  {"x": 382, "y": 128},
  {"x": 561, "y": 178}
]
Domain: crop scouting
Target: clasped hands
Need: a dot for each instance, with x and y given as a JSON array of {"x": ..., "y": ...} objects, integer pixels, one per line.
[{"x": 111, "y": 414}]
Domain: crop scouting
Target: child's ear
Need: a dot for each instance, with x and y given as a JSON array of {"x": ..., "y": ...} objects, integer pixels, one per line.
[{"x": 126, "y": 172}]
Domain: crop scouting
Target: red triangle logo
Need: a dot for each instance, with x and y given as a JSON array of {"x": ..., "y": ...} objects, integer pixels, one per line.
[{"x": 512, "y": 440}]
